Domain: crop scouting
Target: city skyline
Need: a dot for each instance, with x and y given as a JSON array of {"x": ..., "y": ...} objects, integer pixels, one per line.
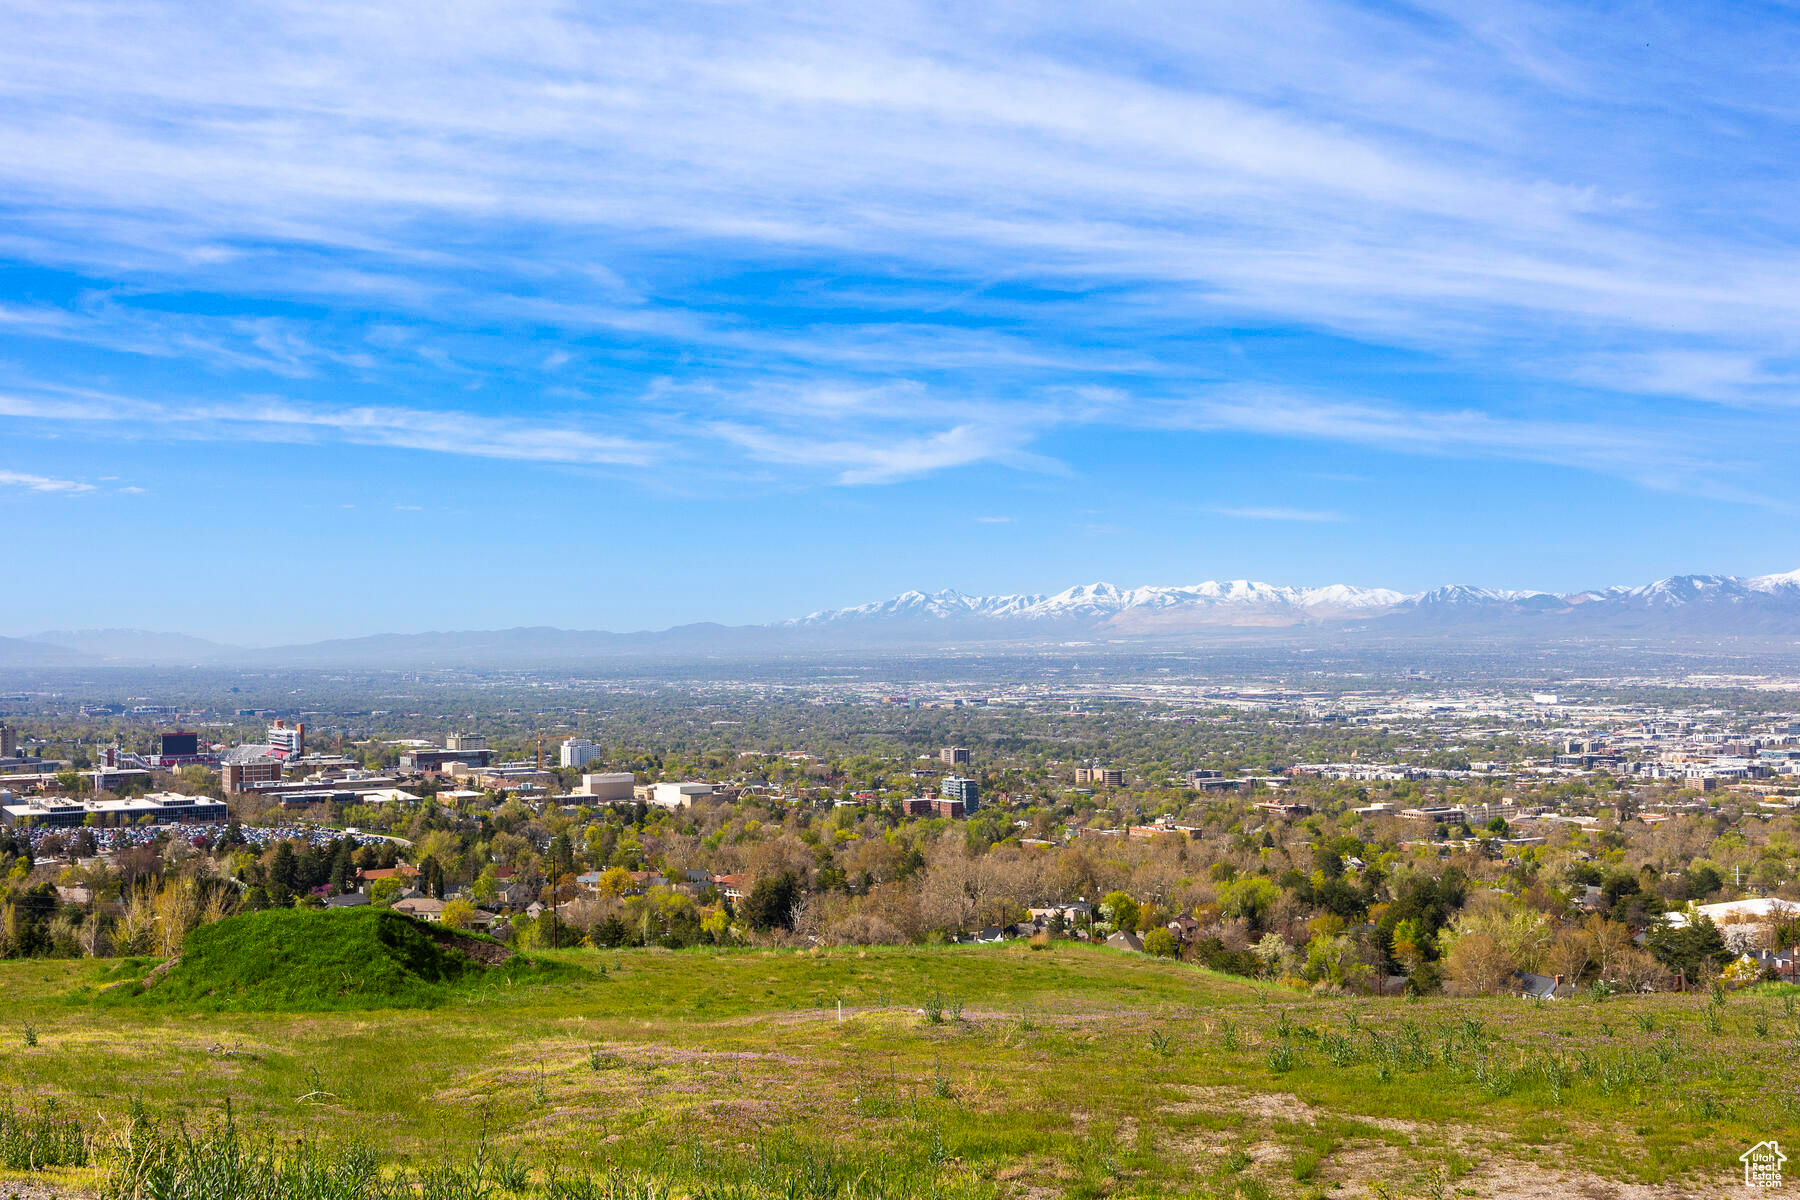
[{"x": 684, "y": 313}]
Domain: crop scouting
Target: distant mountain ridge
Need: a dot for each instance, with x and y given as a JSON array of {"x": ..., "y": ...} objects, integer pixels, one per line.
[
  {"x": 1704, "y": 606},
  {"x": 1769, "y": 603}
]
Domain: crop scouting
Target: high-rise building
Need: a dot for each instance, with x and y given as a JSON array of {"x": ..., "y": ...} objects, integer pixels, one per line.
[
  {"x": 579, "y": 752},
  {"x": 9, "y": 741},
  {"x": 465, "y": 742},
  {"x": 954, "y": 755},
  {"x": 963, "y": 789},
  {"x": 289, "y": 739}
]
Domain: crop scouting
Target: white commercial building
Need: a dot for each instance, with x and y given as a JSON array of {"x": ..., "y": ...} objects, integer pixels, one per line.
[
  {"x": 579, "y": 752},
  {"x": 678, "y": 795}
]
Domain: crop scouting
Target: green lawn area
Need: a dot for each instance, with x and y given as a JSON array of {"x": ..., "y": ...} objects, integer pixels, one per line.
[{"x": 992, "y": 1070}]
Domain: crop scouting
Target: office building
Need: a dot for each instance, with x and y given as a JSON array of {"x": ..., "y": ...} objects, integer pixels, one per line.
[
  {"x": 157, "y": 808},
  {"x": 962, "y": 789},
  {"x": 678, "y": 795},
  {"x": 954, "y": 755},
  {"x": 466, "y": 742},
  {"x": 9, "y": 742},
  {"x": 290, "y": 740},
  {"x": 579, "y": 752},
  {"x": 429, "y": 758},
  {"x": 239, "y": 777}
]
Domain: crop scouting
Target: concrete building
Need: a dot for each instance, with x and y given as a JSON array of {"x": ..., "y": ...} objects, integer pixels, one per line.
[
  {"x": 678, "y": 795},
  {"x": 243, "y": 774},
  {"x": 954, "y": 755},
  {"x": 466, "y": 742},
  {"x": 962, "y": 789},
  {"x": 608, "y": 786},
  {"x": 579, "y": 752},
  {"x": 289, "y": 739},
  {"x": 9, "y": 742},
  {"x": 429, "y": 758},
  {"x": 157, "y": 808}
]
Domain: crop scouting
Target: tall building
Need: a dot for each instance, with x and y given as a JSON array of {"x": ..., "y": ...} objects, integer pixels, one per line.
[
  {"x": 466, "y": 742},
  {"x": 238, "y": 776},
  {"x": 9, "y": 741},
  {"x": 289, "y": 739},
  {"x": 579, "y": 752},
  {"x": 954, "y": 755},
  {"x": 963, "y": 789}
]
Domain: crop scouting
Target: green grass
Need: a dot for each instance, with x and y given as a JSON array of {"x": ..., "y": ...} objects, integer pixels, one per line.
[
  {"x": 296, "y": 960},
  {"x": 1069, "y": 1072}
]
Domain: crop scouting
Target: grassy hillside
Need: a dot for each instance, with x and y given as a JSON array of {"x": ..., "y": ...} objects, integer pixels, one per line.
[
  {"x": 297, "y": 960},
  {"x": 978, "y": 1071}
]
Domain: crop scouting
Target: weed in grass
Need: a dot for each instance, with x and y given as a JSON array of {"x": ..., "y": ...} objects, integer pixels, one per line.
[
  {"x": 30, "y": 1034},
  {"x": 40, "y": 1136},
  {"x": 1788, "y": 1007},
  {"x": 540, "y": 1090},
  {"x": 1162, "y": 1043},
  {"x": 1282, "y": 1057},
  {"x": 1710, "y": 1015},
  {"x": 934, "y": 1009},
  {"x": 1338, "y": 1048},
  {"x": 1494, "y": 1079},
  {"x": 1228, "y": 1035},
  {"x": 1645, "y": 1021},
  {"x": 956, "y": 1007},
  {"x": 1760, "y": 1022},
  {"x": 1306, "y": 1165}
]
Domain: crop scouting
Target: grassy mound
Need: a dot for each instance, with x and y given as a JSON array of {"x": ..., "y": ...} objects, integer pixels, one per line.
[{"x": 309, "y": 960}]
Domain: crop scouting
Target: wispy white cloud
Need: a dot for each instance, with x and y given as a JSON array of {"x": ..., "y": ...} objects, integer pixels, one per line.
[
  {"x": 275, "y": 419},
  {"x": 962, "y": 234},
  {"x": 42, "y": 483}
]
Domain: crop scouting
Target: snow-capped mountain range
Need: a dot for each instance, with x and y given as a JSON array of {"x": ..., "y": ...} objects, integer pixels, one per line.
[
  {"x": 1770, "y": 602},
  {"x": 1685, "y": 608}
]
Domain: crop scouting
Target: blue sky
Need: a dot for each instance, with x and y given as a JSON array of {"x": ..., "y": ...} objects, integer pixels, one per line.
[{"x": 318, "y": 319}]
